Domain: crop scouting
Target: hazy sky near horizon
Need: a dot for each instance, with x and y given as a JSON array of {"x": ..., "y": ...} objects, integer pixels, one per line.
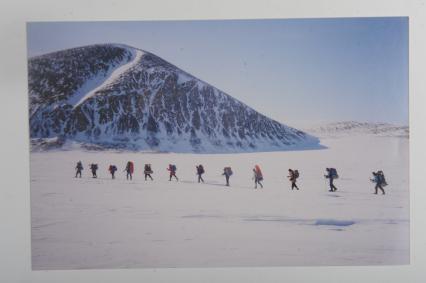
[{"x": 297, "y": 71}]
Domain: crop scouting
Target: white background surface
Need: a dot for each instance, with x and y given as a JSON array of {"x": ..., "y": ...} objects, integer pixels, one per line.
[{"x": 15, "y": 259}]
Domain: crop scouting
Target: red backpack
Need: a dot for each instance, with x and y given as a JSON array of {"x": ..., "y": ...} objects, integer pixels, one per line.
[{"x": 258, "y": 171}]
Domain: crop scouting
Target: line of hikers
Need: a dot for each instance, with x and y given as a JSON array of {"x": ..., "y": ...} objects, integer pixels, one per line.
[
  {"x": 293, "y": 175},
  {"x": 129, "y": 169}
]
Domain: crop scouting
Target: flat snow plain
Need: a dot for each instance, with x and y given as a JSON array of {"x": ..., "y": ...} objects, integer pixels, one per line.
[{"x": 102, "y": 223}]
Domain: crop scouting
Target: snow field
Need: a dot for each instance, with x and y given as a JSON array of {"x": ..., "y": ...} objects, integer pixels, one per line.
[{"x": 104, "y": 223}]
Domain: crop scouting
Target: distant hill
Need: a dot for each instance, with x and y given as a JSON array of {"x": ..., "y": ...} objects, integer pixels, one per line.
[{"x": 351, "y": 128}]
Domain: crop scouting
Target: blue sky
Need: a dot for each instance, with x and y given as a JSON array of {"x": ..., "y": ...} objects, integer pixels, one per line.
[{"x": 297, "y": 71}]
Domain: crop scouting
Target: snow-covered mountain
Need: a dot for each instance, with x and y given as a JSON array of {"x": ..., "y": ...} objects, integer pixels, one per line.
[
  {"x": 117, "y": 96},
  {"x": 352, "y": 128}
]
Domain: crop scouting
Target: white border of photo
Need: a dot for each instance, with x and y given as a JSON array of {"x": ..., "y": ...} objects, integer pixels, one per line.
[{"x": 15, "y": 237}]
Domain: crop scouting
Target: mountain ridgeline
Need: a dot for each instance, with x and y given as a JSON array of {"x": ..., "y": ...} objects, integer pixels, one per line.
[
  {"x": 353, "y": 128},
  {"x": 116, "y": 96}
]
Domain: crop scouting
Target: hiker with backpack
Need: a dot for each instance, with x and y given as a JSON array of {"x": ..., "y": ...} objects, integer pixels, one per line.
[
  {"x": 129, "y": 170},
  {"x": 78, "y": 169},
  {"x": 258, "y": 177},
  {"x": 379, "y": 179},
  {"x": 292, "y": 176},
  {"x": 172, "y": 169},
  {"x": 148, "y": 171},
  {"x": 112, "y": 169},
  {"x": 227, "y": 172},
  {"x": 331, "y": 175},
  {"x": 94, "y": 167},
  {"x": 200, "y": 172}
]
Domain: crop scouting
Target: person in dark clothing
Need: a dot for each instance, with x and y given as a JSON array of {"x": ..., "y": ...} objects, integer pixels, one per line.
[
  {"x": 148, "y": 171},
  {"x": 379, "y": 179},
  {"x": 172, "y": 169},
  {"x": 227, "y": 172},
  {"x": 129, "y": 170},
  {"x": 292, "y": 176},
  {"x": 78, "y": 169},
  {"x": 258, "y": 176},
  {"x": 112, "y": 169},
  {"x": 200, "y": 172},
  {"x": 331, "y": 175},
  {"x": 94, "y": 168}
]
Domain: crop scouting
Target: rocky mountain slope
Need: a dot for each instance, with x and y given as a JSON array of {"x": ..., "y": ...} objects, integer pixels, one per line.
[{"x": 116, "y": 96}]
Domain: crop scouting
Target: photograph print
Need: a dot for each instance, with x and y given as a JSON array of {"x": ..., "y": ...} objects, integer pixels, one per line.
[{"x": 219, "y": 143}]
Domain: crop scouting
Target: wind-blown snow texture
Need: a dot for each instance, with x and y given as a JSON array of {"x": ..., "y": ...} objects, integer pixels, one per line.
[{"x": 116, "y": 96}]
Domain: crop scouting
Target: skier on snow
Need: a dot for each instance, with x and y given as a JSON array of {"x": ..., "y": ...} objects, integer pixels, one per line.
[
  {"x": 292, "y": 176},
  {"x": 379, "y": 179},
  {"x": 112, "y": 169},
  {"x": 172, "y": 169},
  {"x": 78, "y": 169},
  {"x": 200, "y": 172},
  {"x": 331, "y": 175},
  {"x": 129, "y": 170},
  {"x": 227, "y": 172},
  {"x": 258, "y": 177},
  {"x": 94, "y": 167},
  {"x": 148, "y": 171}
]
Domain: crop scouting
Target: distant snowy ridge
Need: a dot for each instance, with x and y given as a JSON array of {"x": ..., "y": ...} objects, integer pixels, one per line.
[
  {"x": 351, "y": 128},
  {"x": 116, "y": 96}
]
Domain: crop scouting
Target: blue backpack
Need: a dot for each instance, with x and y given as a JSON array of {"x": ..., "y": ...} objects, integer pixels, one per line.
[
  {"x": 381, "y": 178},
  {"x": 333, "y": 173}
]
